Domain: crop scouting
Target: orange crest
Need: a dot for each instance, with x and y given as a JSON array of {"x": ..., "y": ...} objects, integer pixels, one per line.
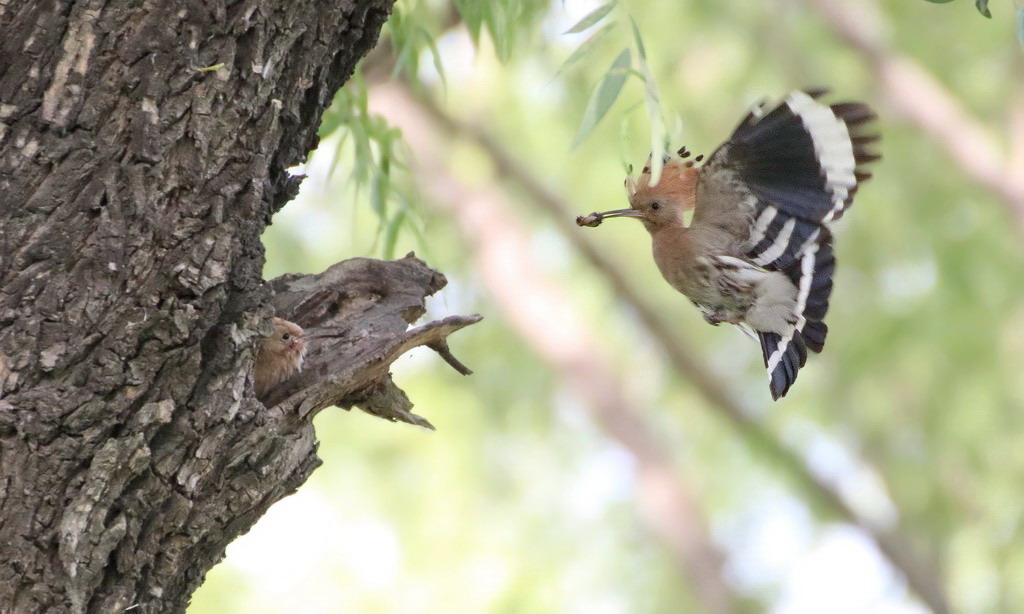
[{"x": 678, "y": 178}]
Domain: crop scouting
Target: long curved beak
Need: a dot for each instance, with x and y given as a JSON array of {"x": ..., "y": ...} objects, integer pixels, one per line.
[{"x": 620, "y": 213}]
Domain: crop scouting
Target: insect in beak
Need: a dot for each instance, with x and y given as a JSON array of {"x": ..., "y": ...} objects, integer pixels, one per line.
[{"x": 595, "y": 219}]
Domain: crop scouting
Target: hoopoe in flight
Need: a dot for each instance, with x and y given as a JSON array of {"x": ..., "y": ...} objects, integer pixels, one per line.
[{"x": 758, "y": 250}]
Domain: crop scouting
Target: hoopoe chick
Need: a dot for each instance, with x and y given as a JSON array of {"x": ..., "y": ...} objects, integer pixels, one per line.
[
  {"x": 279, "y": 357},
  {"x": 758, "y": 251}
]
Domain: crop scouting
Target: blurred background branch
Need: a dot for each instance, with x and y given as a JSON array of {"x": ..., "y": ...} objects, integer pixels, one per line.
[
  {"x": 924, "y": 579},
  {"x": 917, "y": 94}
]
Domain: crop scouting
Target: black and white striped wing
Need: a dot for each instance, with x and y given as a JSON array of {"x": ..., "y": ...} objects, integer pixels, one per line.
[{"x": 794, "y": 169}]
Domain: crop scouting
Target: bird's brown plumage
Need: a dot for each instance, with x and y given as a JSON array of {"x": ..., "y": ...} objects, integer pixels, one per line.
[
  {"x": 279, "y": 357},
  {"x": 758, "y": 250}
]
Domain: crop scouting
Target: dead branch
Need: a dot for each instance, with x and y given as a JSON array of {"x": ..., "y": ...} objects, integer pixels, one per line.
[{"x": 369, "y": 305}]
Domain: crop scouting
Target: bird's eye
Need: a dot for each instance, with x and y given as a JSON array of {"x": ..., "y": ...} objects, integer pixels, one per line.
[
  {"x": 655, "y": 206},
  {"x": 286, "y": 337}
]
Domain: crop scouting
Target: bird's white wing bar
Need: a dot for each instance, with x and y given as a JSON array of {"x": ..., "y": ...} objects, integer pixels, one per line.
[
  {"x": 832, "y": 146},
  {"x": 803, "y": 291},
  {"x": 802, "y": 163},
  {"x": 779, "y": 244},
  {"x": 760, "y": 228}
]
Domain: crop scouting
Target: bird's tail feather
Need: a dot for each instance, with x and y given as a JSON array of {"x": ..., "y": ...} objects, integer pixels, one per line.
[
  {"x": 783, "y": 358},
  {"x": 802, "y": 162},
  {"x": 785, "y": 354}
]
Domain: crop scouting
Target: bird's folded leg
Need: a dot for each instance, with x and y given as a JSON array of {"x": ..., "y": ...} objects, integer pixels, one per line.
[
  {"x": 715, "y": 317},
  {"x": 719, "y": 315}
]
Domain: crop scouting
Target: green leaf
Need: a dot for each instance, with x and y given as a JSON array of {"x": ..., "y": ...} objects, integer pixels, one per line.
[
  {"x": 436, "y": 54},
  {"x": 336, "y": 114},
  {"x": 330, "y": 122},
  {"x": 391, "y": 235},
  {"x": 1020, "y": 23},
  {"x": 472, "y": 13},
  {"x": 584, "y": 49},
  {"x": 380, "y": 187},
  {"x": 625, "y": 138},
  {"x": 338, "y": 151},
  {"x": 604, "y": 96},
  {"x": 983, "y": 8},
  {"x": 363, "y": 154},
  {"x": 653, "y": 104},
  {"x": 501, "y": 32},
  {"x": 502, "y": 19},
  {"x": 592, "y": 18},
  {"x": 639, "y": 41},
  {"x": 407, "y": 61},
  {"x": 940, "y": 1}
]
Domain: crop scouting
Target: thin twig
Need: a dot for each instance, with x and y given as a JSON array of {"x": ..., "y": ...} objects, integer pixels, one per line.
[{"x": 442, "y": 350}]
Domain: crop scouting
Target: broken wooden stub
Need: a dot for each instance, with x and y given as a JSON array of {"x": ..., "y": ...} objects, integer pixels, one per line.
[{"x": 358, "y": 314}]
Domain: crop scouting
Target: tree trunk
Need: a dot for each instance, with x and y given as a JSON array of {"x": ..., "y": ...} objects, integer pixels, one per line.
[{"x": 143, "y": 149}]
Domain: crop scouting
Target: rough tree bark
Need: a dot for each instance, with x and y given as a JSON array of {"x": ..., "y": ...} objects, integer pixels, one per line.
[{"x": 143, "y": 149}]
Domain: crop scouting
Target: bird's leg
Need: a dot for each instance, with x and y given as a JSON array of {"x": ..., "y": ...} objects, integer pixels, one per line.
[
  {"x": 717, "y": 315},
  {"x": 721, "y": 314}
]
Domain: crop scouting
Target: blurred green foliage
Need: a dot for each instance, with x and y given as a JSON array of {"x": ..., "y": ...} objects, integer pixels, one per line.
[
  {"x": 519, "y": 503},
  {"x": 982, "y": 6}
]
